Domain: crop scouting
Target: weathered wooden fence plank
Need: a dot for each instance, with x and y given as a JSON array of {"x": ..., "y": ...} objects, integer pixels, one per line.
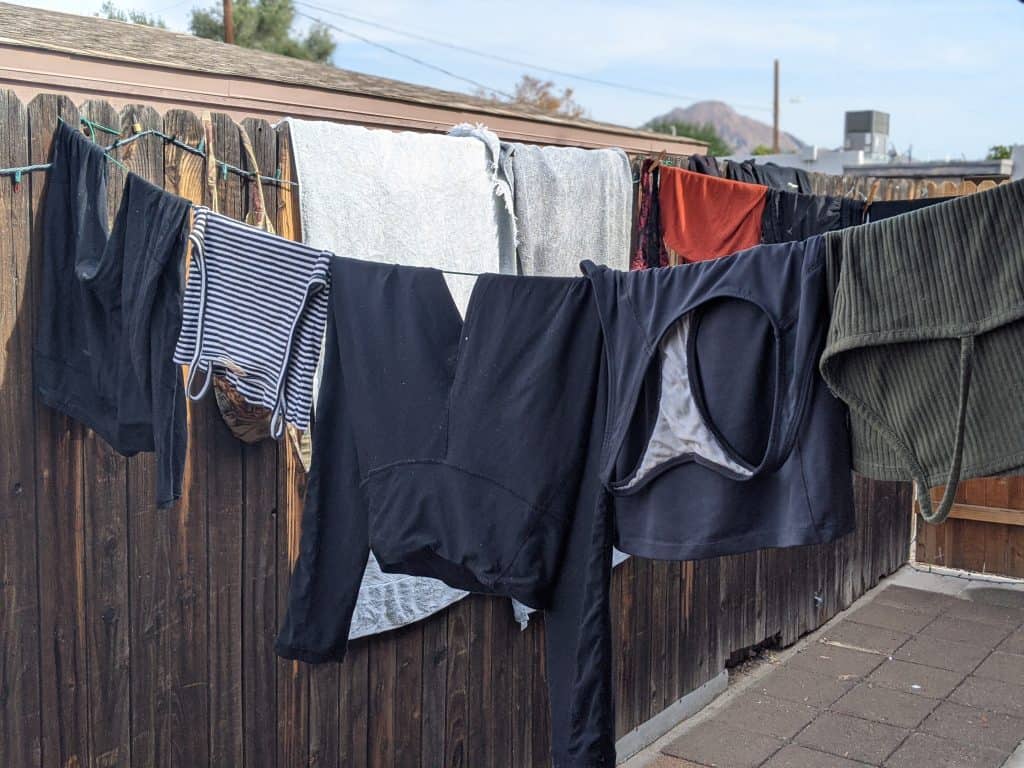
[
  {"x": 20, "y": 735},
  {"x": 457, "y": 715},
  {"x": 224, "y": 523},
  {"x": 167, "y": 564},
  {"x": 292, "y": 677},
  {"x": 60, "y": 512},
  {"x": 259, "y": 540},
  {"x": 435, "y": 691},
  {"x": 106, "y": 551}
]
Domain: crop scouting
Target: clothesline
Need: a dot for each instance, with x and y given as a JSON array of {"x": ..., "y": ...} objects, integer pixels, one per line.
[{"x": 17, "y": 172}]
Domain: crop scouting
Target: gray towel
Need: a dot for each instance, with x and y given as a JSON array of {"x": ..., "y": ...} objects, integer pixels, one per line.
[{"x": 571, "y": 204}]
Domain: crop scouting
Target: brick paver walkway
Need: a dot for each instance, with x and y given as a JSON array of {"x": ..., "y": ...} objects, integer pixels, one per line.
[{"x": 913, "y": 679}]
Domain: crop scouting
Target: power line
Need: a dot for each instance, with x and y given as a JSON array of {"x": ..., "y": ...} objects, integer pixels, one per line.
[
  {"x": 517, "y": 62},
  {"x": 391, "y": 50}
]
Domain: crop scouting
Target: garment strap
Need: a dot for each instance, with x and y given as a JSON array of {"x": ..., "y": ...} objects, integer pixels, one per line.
[
  {"x": 280, "y": 410},
  {"x": 257, "y": 215},
  {"x": 211, "y": 163},
  {"x": 196, "y": 237},
  {"x": 923, "y": 496}
]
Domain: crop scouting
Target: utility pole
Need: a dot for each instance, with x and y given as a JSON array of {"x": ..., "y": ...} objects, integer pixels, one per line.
[
  {"x": 774, "y": 122},
  {"x": 229, "y": 23}
]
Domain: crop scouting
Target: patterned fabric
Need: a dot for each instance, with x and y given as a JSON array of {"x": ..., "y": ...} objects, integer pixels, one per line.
[{"x": 269, "y": 356}]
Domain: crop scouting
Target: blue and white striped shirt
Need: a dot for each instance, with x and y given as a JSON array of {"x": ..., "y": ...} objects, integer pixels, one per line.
[{"x": 254, "y": 312}]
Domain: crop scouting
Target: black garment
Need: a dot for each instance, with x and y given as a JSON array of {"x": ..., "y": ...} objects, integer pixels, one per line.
[
  {"x": 722, "y": 436},
  {"x": 769, "y": 175},
  {"x": 703, "y": 164},
  {"x": 463, "y": 451},
  {"x": 792, "y": 216},
  {"x": 110, "y": 308},
  {"x": 886, "y": 209}
]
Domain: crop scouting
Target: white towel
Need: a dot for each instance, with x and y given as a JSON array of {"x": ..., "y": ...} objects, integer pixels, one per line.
[{"x": 419, "y": 199}]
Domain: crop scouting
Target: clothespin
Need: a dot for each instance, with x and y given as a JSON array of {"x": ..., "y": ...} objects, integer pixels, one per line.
[
  {"x": 223, "y": 171},
  {"x": 202, "y": 145},
  {"x": 136, "y": 126},
  {"x": 17, "y": 181},
  {"x": 874, "y": 191}
]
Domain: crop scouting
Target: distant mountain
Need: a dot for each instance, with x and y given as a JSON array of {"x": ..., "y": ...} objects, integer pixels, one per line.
[{"x": 740, "y": 132}]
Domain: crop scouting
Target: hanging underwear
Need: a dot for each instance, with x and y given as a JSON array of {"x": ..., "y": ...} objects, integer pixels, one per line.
[
  {"x": 109, "y": 309},
  {"x": 926, "y": 341},
  {"x": 704, "y": 217},
  {"x": 465, "y": 451},
  {"x": 722, "y": 437}
]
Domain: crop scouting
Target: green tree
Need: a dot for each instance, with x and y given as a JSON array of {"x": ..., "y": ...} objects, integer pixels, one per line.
[
  {"x": 110, "y": 11},
  {"x": 703, "y": 132},
  {"x": 265, "y": 25},
  {"x": 999, "y": 152},
  {"x": 762, "y": 149},
  {"x": 540, "y": 95}
]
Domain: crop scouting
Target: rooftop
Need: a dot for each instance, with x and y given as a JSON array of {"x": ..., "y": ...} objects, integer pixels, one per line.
[{"x": 111, "y": 58}]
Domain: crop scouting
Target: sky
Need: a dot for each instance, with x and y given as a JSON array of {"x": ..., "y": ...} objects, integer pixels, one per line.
[{"x": 947, "y": 72}]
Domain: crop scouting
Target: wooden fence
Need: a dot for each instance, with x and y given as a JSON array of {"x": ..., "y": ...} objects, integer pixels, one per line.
[
  {"x": 136, "y": 636},
  {"x": 984, "y": 532}
]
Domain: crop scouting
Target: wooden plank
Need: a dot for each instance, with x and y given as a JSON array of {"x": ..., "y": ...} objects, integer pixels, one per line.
[
  {"x": 406, "y": 697},
  {"x": 59, "y": 489},
  {"x": 353, "y": 705},
  {"x": 624, "y": 680},
  {"x": 673, "y": 685},
  {"x": 224, "y": 523},
  {"x": 20, "y": 726},
  {"x": 167, "y": 565},
  {"x": 259, "y": 545},
  {"x": 541, "y": 731},
  {"x": 324, "y": 713},
  {"x": 987, "y": 514},
  {"x": 457, "y": 709},
  {"x": 145, "y": 158},
  {"x": 498, "y": 685},
  {"x": 523, "y": 676},
  {"x": 383, "y": 689},
  {"x": 435, "y": 689},
  {"x": 106, "y": 555},
  {"x": 641, "y": 641},
  {"x": 658, "y": 677},
  {"x": 292, "y": 677},
  {"x": 479, "y": 671}
]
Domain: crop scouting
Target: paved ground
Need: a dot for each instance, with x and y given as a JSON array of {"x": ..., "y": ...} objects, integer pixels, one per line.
[{"x": 928, "y": 677}]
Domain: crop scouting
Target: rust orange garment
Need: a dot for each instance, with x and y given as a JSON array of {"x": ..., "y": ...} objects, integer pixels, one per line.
[{"x": 704, "y": 217}]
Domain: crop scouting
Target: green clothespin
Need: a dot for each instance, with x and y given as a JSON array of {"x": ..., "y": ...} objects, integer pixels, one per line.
[
  {"x": 223, "y": 171},
  {"x": 17, "y": 180},
  {"x": 202, "y": 145}
]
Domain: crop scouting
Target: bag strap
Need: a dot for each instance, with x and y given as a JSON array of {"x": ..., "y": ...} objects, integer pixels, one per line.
[
  {"x": 211, "y": 163},
  {"x": 923, "y": 496},
  {"x": 257, "y": 215}
]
